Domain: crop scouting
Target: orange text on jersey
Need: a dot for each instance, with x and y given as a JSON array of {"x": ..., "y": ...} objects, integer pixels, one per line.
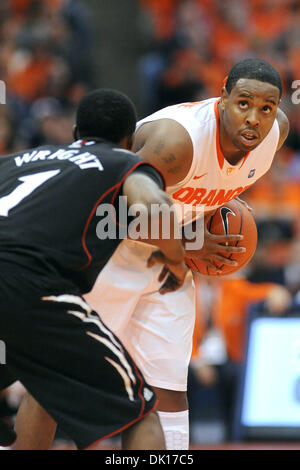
[{"x": 213, "y": 197}]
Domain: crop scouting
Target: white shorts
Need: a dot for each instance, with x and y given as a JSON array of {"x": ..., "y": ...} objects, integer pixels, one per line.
[{"x": 156, "y": 329}]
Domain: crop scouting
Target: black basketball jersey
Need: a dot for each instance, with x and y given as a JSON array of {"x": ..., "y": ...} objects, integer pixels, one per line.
[{"x": 48, "y": 206}]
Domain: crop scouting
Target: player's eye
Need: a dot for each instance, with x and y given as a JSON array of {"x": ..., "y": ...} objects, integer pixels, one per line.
[
  {"x": 243, "y": 104},
  {"x": 267, "y": 109}
]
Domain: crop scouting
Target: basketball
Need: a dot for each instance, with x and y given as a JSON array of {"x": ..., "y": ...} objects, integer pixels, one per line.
[{"x": 233, "y": 218}]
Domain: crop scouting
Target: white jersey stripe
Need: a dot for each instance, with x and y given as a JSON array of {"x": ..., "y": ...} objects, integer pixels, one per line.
[
  {"x": 116, "y": 347},
  {"x": 124, "y": 376},
  {"x": 70, "y": 299},
  {"x": 120, "y": 355}
]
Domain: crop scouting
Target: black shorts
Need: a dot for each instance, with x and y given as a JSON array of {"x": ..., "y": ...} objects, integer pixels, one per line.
[
  {"x": 73, "y": 365},
  {"x": 6, "y": 378}
]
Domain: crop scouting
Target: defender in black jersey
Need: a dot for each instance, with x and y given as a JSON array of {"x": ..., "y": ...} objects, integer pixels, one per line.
[{"x": 50, "y": 254}]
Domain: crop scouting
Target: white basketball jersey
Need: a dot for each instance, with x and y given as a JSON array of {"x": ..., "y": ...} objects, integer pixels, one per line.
[{"x": 211, "y": 180}]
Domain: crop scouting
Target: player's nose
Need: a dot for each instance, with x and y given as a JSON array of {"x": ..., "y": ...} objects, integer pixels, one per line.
[{"x": 252, "y": 119}]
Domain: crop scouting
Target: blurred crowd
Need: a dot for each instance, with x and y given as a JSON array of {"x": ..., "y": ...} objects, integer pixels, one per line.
[
  {"x": 46, "y": 64},
  {"x": 189, "y": 47}
]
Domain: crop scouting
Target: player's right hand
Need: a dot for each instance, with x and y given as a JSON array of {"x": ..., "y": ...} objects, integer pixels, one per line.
[{"x": 174, "y": 271}]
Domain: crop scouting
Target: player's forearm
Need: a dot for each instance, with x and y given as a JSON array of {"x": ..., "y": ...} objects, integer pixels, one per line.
[
  {"x": 162, "y": 231},
  {"x": 167, "y": 243},
  {"x": 160, "y": 225}
]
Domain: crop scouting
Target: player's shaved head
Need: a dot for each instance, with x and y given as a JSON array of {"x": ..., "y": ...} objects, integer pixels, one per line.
[
  {"x": 255, "y": 69},
  {"x": 107, "y": 114}
]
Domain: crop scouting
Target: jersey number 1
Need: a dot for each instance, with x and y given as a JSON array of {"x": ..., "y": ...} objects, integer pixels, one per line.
[{"x": 29, "y": 184}]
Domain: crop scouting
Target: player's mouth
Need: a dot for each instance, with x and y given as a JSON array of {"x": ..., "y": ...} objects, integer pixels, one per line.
[{"x": 249, "y": 138}]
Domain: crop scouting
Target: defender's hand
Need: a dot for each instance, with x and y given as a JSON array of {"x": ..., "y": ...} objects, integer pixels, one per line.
[{"x": 174, "y": 270}]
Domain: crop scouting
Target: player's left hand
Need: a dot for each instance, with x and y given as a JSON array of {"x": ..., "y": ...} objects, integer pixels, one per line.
[
  {"x": 174, "y": 271},
  {"x": 245, "y": 204}
]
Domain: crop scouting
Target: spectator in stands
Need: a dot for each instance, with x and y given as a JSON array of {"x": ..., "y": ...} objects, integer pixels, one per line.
[
  {"x": 277, "y": 258},
  {"x": 219, "y": 343},
  {"x": 39, "y": 43}
]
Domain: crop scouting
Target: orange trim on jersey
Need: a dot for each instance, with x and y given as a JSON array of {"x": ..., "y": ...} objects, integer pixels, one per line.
[
  {"x": 244, "y": 159},
  {"x": 220, "y": 155},
  {"x": 116, "y": 187}
]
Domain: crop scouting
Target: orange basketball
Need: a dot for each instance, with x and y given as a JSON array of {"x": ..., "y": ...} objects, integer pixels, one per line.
[{"x": 233, "y": 218}]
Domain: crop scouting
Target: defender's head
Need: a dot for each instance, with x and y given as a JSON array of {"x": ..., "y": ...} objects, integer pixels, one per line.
[
  {"x": 249, "y": 103},
  {"x": 106, "y": 114}
]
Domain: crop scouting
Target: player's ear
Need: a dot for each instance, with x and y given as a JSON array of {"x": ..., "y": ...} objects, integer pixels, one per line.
[
  {"x": 75, "y": 132},
  {"x": 224, "y": 98}
]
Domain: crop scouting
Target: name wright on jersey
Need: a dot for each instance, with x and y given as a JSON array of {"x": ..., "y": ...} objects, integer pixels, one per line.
[{"x": 84, "y": 160}]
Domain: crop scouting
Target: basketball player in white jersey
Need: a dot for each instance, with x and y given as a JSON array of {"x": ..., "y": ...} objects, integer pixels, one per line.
[{"x": 209, "y": 152}]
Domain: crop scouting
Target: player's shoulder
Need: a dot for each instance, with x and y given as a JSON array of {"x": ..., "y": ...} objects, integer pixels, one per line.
[
  {"x": 198, "y": 106},
  {"x": 200, "y": 113},
  {"x": 192, "y": 116},
  {"x": 191, "y": 108}
]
